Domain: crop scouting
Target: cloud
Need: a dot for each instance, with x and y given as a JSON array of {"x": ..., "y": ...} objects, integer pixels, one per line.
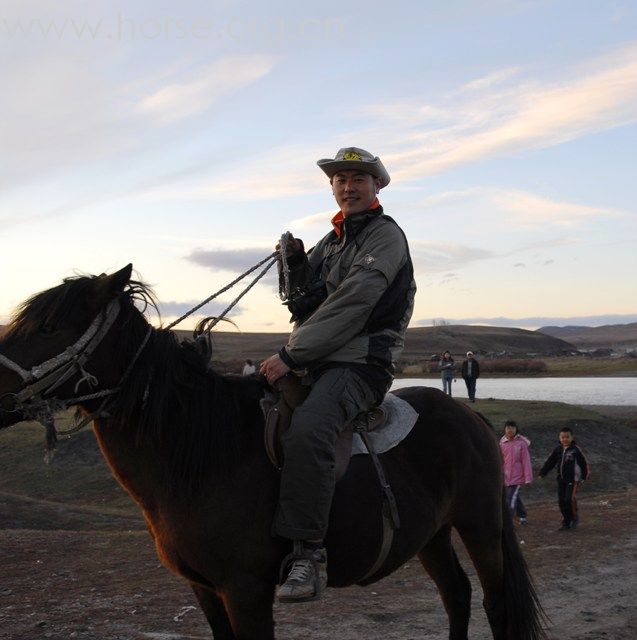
[
  {"x": 495, "y": 78},
  {"x": 489, "y": 117},
  {"x": 58, "y": 112},
  {"x": 269, "y": 174},
  {"x": 436, "y": 257},
  {"x": 213, "y": 308},
  {"x": 315, "y": 220},
  {"x": 187, "y": 99},
  {"x": 238, "y": 260},
  {"x": 64, "y": 111},
  {"x": 448, "y": 277},
  {"x": 534, "y": 209},
  {"x": 495, "y": 114},
  {"x": 522, "y": 208}
]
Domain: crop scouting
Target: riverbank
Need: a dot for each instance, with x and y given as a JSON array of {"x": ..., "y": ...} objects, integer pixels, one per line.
[{"x": 562, "y": 367}]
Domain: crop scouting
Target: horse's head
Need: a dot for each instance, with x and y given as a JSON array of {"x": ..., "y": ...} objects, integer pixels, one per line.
[{"x": 50, "y": 348}]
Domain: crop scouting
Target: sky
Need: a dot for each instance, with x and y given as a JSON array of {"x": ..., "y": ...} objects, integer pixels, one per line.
[{"x": 183, "y": 138}]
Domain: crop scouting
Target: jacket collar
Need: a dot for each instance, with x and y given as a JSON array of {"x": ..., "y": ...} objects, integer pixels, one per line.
[{"x": 354, "y": 223}]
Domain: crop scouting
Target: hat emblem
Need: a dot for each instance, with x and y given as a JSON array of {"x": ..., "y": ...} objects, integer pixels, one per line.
[{"x": 351, "y": 155}]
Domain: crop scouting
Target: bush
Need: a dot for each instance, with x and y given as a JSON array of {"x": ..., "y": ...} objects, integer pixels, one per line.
[{"x": 506, "y": 365}]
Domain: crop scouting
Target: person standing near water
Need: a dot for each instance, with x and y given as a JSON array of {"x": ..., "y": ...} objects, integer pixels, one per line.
[
  {"x": 470, "y": 374},
  {"x": 447, "y": 366}
]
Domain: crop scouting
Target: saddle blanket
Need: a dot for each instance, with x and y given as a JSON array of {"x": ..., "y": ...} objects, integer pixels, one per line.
[{"x": 401, "y": 417}]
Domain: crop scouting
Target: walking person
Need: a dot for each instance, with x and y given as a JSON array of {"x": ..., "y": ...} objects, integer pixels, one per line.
[
  {"x": 470, "y": 373},
  {"x": 447, "y": 366},
  {"x": 517, "y": 468},
  {"x": 352, "y": 298},
  {"x": 572, "y": 469}
]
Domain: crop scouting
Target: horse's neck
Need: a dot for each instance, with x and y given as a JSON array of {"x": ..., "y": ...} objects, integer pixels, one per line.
[
  {"x": 140, "y": 465},
  {"x": 136, "y": 469}
]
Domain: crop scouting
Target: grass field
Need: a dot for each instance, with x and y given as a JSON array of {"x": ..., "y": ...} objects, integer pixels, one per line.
[{"x": 79, "y": 478}]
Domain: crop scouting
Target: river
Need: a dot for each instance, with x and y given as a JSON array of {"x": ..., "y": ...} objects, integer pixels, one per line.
[{"x": 610, "y": 391}]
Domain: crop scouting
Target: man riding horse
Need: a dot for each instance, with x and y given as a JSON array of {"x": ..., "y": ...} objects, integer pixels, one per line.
[{"x": 351, "y": 298}]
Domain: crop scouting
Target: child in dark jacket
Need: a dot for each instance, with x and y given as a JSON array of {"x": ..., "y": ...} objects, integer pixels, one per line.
[{"x": 572, "y": 468}]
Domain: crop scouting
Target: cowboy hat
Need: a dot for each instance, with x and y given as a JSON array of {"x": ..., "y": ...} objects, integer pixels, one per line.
[{"x": 353, "y": 158}]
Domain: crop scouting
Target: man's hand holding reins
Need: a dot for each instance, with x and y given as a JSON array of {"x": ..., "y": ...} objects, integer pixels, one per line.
[{"x": 273, "y": 368}]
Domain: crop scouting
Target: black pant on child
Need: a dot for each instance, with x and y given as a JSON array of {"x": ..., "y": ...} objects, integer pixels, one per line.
[{"x": 568, "y": 502}]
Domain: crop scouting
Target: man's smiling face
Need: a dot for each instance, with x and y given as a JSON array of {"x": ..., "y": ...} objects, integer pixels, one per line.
[{"x": 354, "y": 191}]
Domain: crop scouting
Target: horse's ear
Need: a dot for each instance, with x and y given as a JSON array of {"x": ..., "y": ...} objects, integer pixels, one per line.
[{"x": 115, "y": 283}]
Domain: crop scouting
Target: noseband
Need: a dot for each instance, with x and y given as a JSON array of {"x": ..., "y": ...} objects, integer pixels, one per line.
[{"x": 34, "y": 400}]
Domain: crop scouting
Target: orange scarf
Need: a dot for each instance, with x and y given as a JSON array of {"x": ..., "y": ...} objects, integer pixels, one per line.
[{"x": 337, "y": 220}]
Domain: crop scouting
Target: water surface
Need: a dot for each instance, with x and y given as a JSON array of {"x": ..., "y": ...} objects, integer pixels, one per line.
[{"x": 617, "y": 391}]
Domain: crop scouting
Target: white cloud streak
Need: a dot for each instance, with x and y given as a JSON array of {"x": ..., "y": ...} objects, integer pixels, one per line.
[
  {"x": 59, "y": 112},
  {"x": 187, "y": 99},
  {"x": 497, "y": 114},
  {"x": 520, "y": 208},
  {"x": 435, "y": 257},
  {"x": 490, "y": 121}
]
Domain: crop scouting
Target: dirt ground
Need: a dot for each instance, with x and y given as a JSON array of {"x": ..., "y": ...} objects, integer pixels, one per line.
[{"x": 99, "y": 585}]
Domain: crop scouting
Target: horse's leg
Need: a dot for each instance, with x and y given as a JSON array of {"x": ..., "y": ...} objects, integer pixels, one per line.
[
  {"x": 215, "y": 612},
  {"x": 439, "y": 559},
  {"x": 249, "y": 607},
  {"x": 484, "y": 545}
]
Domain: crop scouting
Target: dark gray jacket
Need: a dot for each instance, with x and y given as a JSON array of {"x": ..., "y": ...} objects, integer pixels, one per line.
[{"x": 366, "y": 289}]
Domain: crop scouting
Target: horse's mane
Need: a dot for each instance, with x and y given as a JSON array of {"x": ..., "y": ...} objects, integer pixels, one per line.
[
  {"x": 46, "y": 311},
  {"x": 195, "y": 420}
]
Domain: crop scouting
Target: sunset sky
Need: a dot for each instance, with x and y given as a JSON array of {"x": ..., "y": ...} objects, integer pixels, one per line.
[{"x": 183, "y": 137}]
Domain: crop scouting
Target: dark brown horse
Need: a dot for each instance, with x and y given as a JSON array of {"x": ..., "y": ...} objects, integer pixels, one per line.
[{"x": 187, "y": 444}]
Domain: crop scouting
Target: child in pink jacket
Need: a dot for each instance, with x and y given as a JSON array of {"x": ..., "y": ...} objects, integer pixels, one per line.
[{"x": 517, "y": 467}]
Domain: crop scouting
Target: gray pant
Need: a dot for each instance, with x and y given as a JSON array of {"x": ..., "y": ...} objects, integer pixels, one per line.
[{"x": 307, "y": 479}]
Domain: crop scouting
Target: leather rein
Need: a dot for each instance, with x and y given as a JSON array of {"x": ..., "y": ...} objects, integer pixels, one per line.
[{"x": 34, "y": 400}]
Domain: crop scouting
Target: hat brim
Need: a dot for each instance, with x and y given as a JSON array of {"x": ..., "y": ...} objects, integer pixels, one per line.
[{"x": 331, "y": 167}]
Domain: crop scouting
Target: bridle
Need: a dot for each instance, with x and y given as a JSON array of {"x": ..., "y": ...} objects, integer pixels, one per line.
[{"x": 34, "y": 400}]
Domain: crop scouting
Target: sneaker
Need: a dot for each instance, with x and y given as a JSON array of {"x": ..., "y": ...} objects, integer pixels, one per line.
[
  {"x": 572, "y": 524},
  {"x": 307, "y": 576},
  {"x": 565, "y": 527},
  {"x": 522, "y": 520}
]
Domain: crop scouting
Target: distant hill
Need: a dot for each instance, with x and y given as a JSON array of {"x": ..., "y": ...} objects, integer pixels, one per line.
[
  {"x": 421, "y": 342},
  {"x": 612, "y": 336},
  {"x": 460, "y": 338}
]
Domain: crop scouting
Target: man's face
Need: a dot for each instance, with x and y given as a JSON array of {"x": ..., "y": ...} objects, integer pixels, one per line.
[
  {"x": 566, "y": 438},
  {"x": 354, "y": 191}
]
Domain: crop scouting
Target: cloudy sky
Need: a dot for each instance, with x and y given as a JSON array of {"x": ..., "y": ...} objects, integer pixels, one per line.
[{"x": 182, "y": 137}]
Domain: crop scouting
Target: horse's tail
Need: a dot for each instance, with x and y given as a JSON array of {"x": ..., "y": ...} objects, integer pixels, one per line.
[{"x": 524, "y": 613}]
